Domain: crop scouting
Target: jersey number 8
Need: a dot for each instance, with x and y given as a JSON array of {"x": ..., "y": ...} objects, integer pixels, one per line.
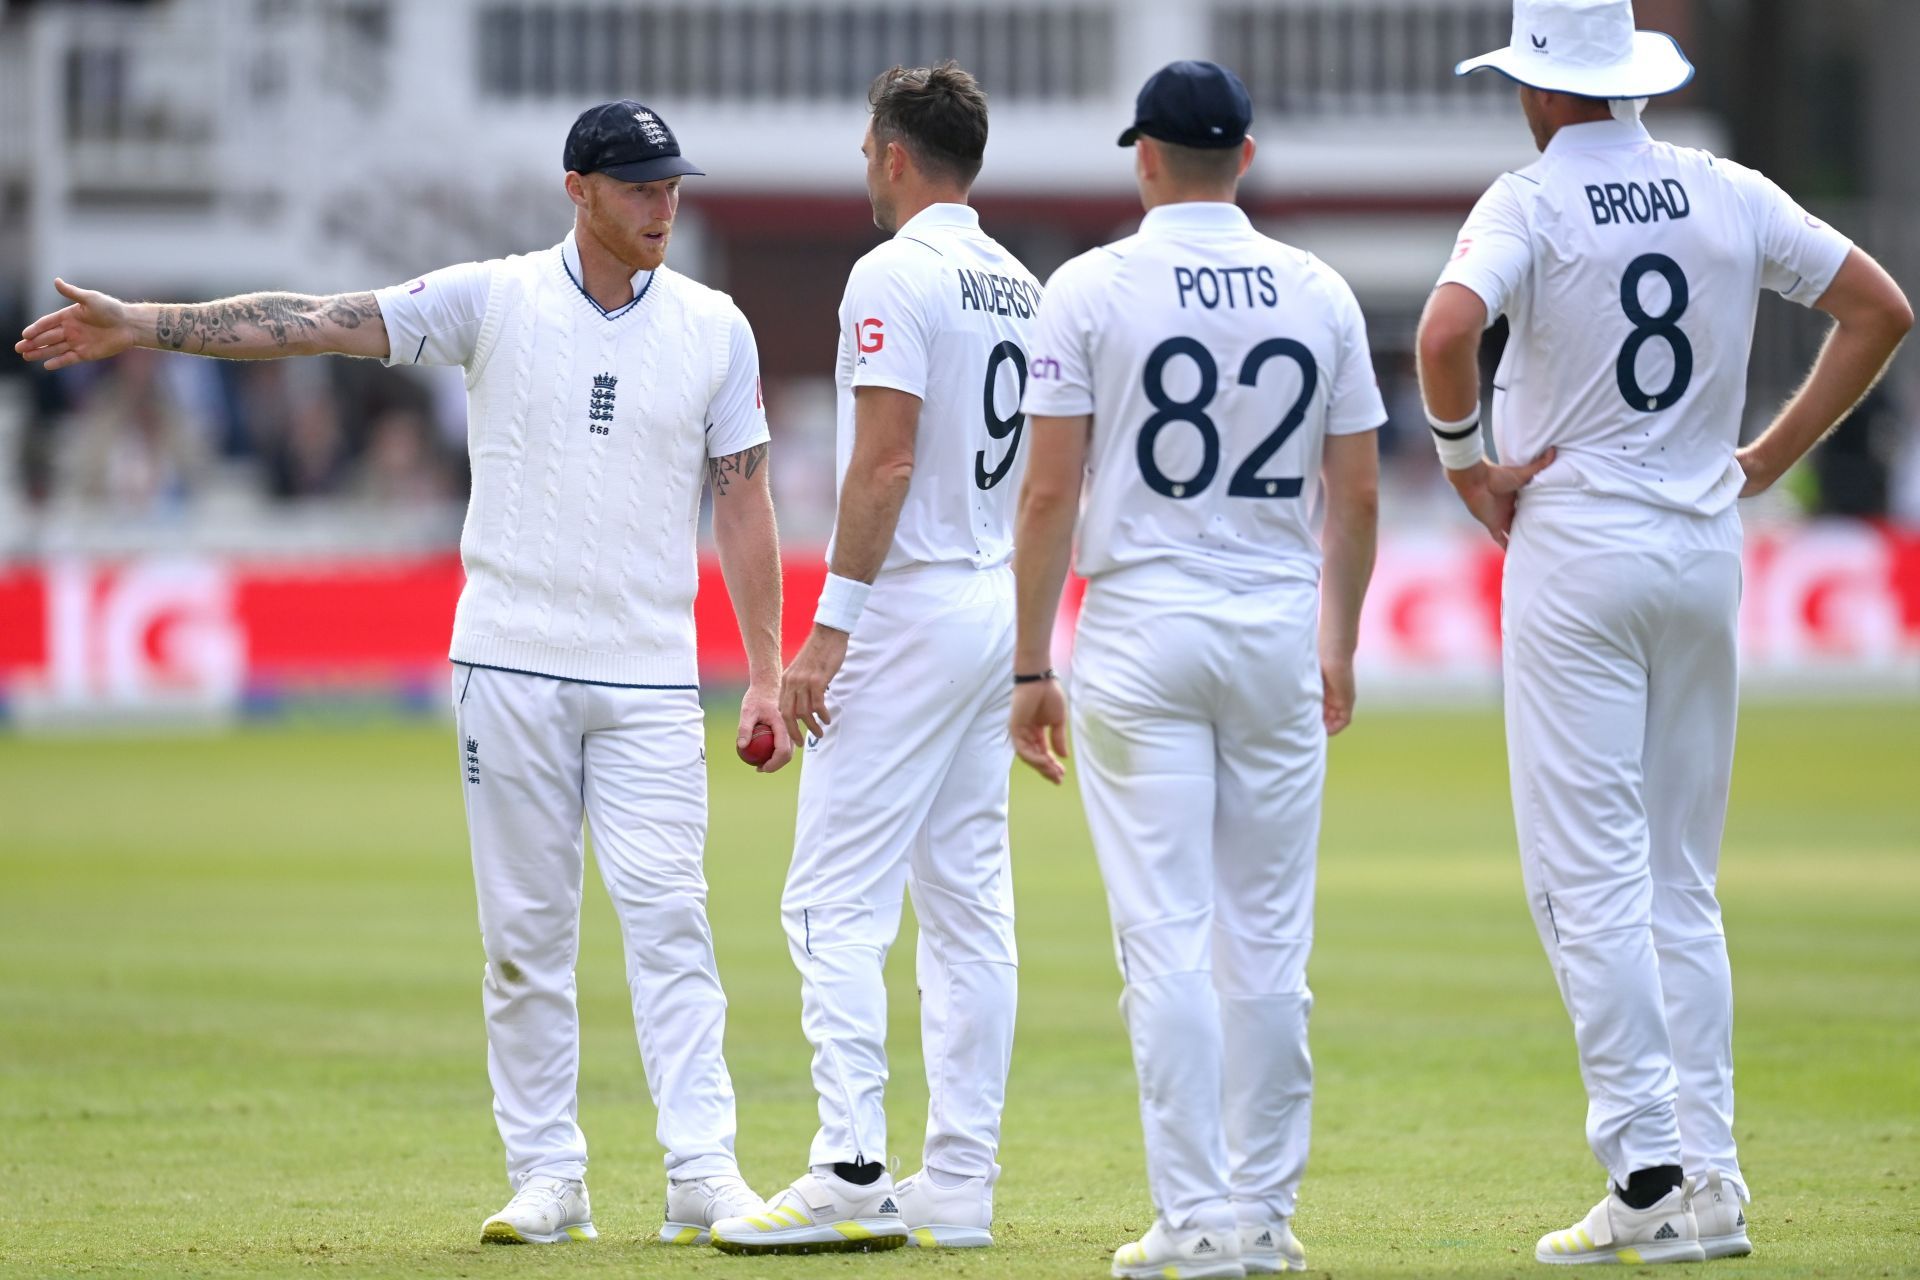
[
  {"x": 1247, "y": 481},
  {"x": 1647, "y": 327}
]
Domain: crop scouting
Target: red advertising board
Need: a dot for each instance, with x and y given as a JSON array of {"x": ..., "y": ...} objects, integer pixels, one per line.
[{"x": 88, "y": 637}]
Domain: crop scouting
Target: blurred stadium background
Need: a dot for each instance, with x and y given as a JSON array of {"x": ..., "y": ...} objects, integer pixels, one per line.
[
  {"x": 237, "y": 1026},
  {"x": 184, "y": 538}
]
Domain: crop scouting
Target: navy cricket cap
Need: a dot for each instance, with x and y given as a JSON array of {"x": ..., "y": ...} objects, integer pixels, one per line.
[
  {"x": 625, "y": 140},
  {"x": 1192, "y": 104}
]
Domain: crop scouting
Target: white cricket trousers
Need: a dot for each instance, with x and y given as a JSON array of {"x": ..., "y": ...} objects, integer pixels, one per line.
[
  {"x": 537, "y": 756},
  {"x": 1619, "y": 638},
  {"x": 1201, "y": 753},
  {"x": 907, "y": 789}
]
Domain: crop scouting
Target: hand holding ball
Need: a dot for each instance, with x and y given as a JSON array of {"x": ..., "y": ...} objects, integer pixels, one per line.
[{"x": 759, "y": 748}]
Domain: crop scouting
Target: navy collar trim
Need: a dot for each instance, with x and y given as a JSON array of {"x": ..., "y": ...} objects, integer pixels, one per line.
[{"x": 605, "y": 314}]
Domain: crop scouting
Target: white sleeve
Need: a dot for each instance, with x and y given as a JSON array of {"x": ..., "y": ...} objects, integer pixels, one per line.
[
  {"x": 1353, "y": 401},
  {"x": 737, "y": 414},
  {"x": 1060, "y": 366},
  {"x": 1495, "y": 251},
  {"x": 1800, "y": 254},
  {"x": 884, "y": 323},
  {"x": 436, "y": 318}
]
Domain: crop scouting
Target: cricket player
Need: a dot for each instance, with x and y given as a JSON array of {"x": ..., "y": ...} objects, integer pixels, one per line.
[
  {"x": 1630, "y": 270},
  {"x": 902, "y": 687},
  {"x": 603, "y": 388},
  {"x": 1202, "y": 383}
]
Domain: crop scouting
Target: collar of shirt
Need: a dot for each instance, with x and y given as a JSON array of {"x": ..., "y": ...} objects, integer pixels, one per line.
[
  {"x": 1595, "y": 134},
  {"x": 1190, "y": 216},
  {"x": 570, "y": 254},
  {"x": 958, "y": 217}
]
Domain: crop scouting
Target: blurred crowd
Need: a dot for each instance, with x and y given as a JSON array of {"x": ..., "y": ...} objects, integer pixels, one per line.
[{"x": 149, "y": 435}]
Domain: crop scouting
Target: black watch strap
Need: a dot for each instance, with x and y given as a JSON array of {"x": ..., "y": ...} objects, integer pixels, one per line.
[{"x": 1033, "y": 679}]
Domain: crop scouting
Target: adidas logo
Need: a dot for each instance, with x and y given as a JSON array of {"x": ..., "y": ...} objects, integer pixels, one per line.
[
  {"x": 1740, "y": 1219},
  {"x": 1204, "y": 1245},
  {"x": 1264, "y": 1239},
  {"x": 1666, "y": 1232},
  {"x": 888, "y": 1206}
]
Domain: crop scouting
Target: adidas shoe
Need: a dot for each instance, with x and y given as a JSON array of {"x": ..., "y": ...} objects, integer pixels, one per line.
[
  {"x": 940, "y": 1217},
  {"x": 1616, "y": 1232},
  {"x": 1723, "y": 1223},
  {"x": 543, "y": 1211},
  {"x": 1268, "y": 1248},
  {"x": 1177, "y": 1255},
  {"x": 695, "y": 1204},
  {"x": 820, "y": 1213}
]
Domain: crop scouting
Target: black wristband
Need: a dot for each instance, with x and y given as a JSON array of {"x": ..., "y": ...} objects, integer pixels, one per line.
[{"x": 1034, "y": 679}]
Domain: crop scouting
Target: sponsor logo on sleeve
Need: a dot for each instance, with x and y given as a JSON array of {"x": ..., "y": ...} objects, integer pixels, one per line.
[
  {"x": 872, "y": 335},
  {"x": 418, "y": 286}
]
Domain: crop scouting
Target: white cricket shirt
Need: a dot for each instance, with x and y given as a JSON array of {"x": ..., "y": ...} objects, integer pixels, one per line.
[
  {"x": 1215, "y": 361},
  {"x": 589, "y": 432},
  {"x": 942, "y": 312},
  {"x": 1630, "y": 271}
]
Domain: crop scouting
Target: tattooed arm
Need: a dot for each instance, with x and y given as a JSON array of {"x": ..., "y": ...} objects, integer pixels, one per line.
[
  {"x": 748, "y": 540},
  {"x": 254, "y": 326}
]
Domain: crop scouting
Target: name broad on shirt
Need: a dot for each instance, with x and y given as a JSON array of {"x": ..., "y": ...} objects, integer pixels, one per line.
[{"x": 1638, "y": 202}]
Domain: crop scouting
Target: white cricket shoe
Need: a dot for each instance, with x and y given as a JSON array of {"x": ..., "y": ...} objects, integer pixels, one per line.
[
  {"x": 1723, "y": 1223},
  {"x": 1268, "y": 1248},
  {"x": 1177, "y": 1255},
  {"x": 819, "y": 1213},
  {"x": 695, "y": 1204},
  {"x": 1617, "y": 1232},
  {"x": 543, "y": 1211},
  {"x": 940, "y": 1217}
]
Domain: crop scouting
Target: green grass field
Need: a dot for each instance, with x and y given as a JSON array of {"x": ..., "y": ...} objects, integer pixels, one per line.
[{"x": 240, "y": 1027}]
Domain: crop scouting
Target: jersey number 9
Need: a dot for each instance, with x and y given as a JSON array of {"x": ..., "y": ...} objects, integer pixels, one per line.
[
  {"x": 1247, "y": 481},
  {"x": 998, "y": 427}
]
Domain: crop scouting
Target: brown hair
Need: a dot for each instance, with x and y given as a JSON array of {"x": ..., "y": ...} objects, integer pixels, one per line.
[
  {"x": 937, "y": 113},
  {"x": 1200, "y": 167}
]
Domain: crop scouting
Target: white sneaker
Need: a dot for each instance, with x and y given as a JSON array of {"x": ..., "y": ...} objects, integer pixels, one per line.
[
  {"x": 695, "y": 1204},
  {"x": 1616, "y": 1232},
  {"x": 543, "y": 1211},
  {"x": 1723, "y": 1223},
  {"x": 819, "y": 1213},
  {"x": 940, "y": 1217},
  {"x": 1201, "y": 1251},
  {"x": 1268, "y": 1248}
]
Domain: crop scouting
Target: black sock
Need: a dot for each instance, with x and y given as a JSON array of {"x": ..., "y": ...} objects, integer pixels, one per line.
[
  {"x": 865, "y": 1175},
  {"x": 1645, "y": 1186}
]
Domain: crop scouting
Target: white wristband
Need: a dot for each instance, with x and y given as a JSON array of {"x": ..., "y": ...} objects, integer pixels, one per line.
[
  {"x": 1458, "y": 443},
  {"x": 841, "y": 602}
]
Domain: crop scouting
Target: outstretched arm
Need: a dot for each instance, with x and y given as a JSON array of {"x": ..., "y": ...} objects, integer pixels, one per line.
[
  {"x": 1872, "y": 317},
  {"x": 254, "y": 326},
  {"x": 748, "y": 540}
]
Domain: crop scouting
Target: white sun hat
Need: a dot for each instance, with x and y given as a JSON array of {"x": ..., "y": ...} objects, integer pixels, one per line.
[{"x": 1586, "y": 47}]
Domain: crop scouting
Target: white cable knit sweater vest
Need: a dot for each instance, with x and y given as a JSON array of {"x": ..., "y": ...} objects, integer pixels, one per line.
[{"x": 588, "y": 442}]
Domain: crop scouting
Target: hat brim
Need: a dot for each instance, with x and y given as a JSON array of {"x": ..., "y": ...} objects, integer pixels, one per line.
[
  {"x": 1139, "y": 131},
  {"x": 654, "y": 170},
  {"x": 1657, "y": 67}
]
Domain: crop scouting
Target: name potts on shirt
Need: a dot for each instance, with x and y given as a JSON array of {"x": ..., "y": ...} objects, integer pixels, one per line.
[
  {"x": 1638, "y": 202},
  {"x": 998, "y": 294},
  {"x": 1216, "y": 287}
]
